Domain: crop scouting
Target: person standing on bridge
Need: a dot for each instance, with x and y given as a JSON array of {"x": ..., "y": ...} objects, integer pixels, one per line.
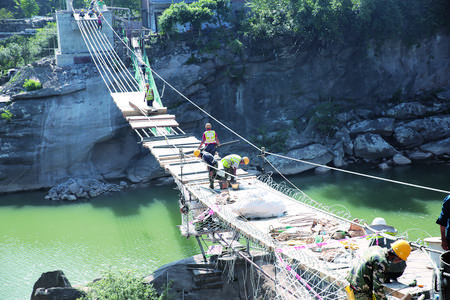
[
  {"x": 149, "y": 96},
  {"x": 213, "y": 165},
  {"x": 210, "y": 140},
  {"x": 367, "y": 275},
  {"x": 230, "y": 164},
  {"x": 444, "y": 222},
  {"x": 99, "y": 21}
]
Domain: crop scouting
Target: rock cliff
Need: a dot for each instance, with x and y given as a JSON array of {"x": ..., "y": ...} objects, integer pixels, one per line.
[{"x": 331, "y": 106}]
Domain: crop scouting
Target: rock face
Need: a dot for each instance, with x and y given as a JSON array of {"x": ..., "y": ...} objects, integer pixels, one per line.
[
  {"x": 74, "y": 131},
  {"x": 72, "y": 128}
]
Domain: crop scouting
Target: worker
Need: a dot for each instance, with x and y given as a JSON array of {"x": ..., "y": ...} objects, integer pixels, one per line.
[
  {"x": 144, "y": 70},
  {"x": 99, "y": 21},
  {"x": 230, "y": 164},
  {"x": 380, "y": 232},
  {"x": 210, "y": 140},
  {"x": 213, "y": 165},
  {"x": 367, "y": 275},
  {"x": 149, "y": 96},
  {"x": 82, "y": 13},
  {"x": 444, "y": 222}
]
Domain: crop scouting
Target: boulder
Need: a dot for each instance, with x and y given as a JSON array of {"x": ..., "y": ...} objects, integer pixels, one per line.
[
  {"x": 57, "y": 293},
  {"x": 373, "y": 146},
  {"x": 49, "y": 280},
  {"x": 406, "y": 137},
  {"x": 437, "y": 148},
  {"x": 316, "y": 154},
  {"x": 338, "y": 151},
  {"x": 432, "y": 128},
  {"x": 420, "y": 155},
  {"x": 381, "y": 126},
  {"x": 409, "y": 110},
  {"x": 401, "y": 160},
  {"x": 343, "y": 135}
]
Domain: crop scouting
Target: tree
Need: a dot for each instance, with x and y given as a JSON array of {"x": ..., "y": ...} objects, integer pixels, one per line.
[
  {"x": 5, "y": 14},
  {"x": 199, "y": 15},
  {"x": 29, "y": 7}
]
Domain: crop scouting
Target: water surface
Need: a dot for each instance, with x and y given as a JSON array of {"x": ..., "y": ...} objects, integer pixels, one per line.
[{"x": 138, "y": 229}]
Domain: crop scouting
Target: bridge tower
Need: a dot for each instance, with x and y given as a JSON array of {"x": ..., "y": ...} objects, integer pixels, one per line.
[{"x": 71, "y": 46}]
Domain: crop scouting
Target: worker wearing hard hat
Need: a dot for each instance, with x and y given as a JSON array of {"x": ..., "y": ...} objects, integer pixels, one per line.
[
  {"x": 230, "y": 164},
  {"x": 149, "y": 96},
  {"x": 367, "y": 275},
  {"x": 208, "y": 158},
  {"x": 210, "y": 140}
]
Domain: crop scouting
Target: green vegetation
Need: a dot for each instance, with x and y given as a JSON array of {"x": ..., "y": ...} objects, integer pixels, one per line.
[
  {"x": 6, "y": 114},
  {"x": 236, "y": 47},
  {"x": 320, "y": 21},
  {"x": 18, "y": 51},
  {"x": 276, "y": 143},
  {"x": 324, "y": 21},
  {"x": 5, "y": 14},
  {"x": 196, "y": 13},
  {"x": 32, "y": 84},
  {"x": 122, "y": 286},
  {"x": 324, "y": 117},
  {"x": 29, "y": 7}
]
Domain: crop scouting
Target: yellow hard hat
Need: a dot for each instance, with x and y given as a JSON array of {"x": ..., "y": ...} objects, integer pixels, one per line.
[
  {"x": 246, "y": 160},
  {"x": 402, "y": 249},
  {"x": 197, "y": 152}
]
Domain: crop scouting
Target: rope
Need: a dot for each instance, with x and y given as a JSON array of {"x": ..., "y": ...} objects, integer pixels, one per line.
[{"x": 359, "y": 174}]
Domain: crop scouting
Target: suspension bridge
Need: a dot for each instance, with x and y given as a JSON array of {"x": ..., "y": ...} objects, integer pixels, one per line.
[{"x": 311, "y": 246}]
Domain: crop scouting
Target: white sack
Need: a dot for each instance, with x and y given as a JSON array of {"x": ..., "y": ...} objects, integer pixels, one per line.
[{"x": 258, "y": 205}]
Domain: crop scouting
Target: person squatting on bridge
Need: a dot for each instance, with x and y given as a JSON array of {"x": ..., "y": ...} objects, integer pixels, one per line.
[
  {"x": 444, "y": 222},
  {"x": 367, "y": 275},
  {"x": 210, "y": 140},
  {"x": 149, "y": 96},
  {"x": 230, "y": 164},
  {"x": 208, "y": 158}
]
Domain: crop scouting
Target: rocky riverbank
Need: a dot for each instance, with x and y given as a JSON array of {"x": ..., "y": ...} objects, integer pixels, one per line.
[
  {"x": 304, "y": 105},
  {"x": 192, "y": 278}
]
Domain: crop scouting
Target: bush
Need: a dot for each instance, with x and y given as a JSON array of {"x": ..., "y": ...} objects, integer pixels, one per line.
[
  {"x": 31, "y": 85},
  {"x": 18, "y": 51},
  {"x": 121, "y": 285},
  {"x": 236, "y": 47},
  {"x": 7, "y": 115}
]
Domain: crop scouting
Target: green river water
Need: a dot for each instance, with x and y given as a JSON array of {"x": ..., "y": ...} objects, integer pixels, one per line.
[{"x": 138, "y": 229}]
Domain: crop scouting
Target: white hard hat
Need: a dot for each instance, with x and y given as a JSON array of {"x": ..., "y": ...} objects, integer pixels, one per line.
[{"x": 379, "y": 221}]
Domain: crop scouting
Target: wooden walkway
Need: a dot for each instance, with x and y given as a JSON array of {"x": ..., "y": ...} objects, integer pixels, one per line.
[{"x": 173, "y": 149}]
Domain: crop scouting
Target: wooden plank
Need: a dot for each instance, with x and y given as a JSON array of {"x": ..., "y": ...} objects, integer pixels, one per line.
[
  {"x": 169, "y": 137},
  {"x": 157, "y": 117},
  {"x": 122, "y": 100},
  {"x": 153, "y": 123}
]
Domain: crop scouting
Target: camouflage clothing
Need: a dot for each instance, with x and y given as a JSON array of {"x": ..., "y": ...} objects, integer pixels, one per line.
[{"x": 368, "y": 275}]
